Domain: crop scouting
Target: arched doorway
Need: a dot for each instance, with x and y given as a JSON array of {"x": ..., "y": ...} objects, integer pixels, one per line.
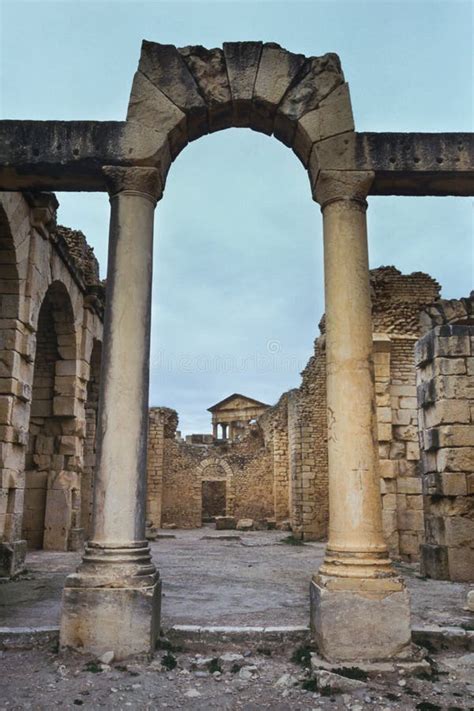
[
  {"x": 52, "y": 486},
  {"x": 12, "y": 445},
  {"x": 214, "y": 489}
]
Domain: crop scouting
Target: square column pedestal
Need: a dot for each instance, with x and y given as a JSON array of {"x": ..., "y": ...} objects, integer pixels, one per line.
[
  {"x": 360, "y": 619},
  {"x": 111, "y": 611}
]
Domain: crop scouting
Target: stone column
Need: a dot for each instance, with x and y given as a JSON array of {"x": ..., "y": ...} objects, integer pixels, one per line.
[
  {"x": 359, "y": 606},
  {"x": 214, "y": 430},
  {"x": 113, "y": 601}
]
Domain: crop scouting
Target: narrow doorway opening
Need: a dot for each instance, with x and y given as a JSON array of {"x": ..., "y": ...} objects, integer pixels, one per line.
[{"x": 214, "y": 502}]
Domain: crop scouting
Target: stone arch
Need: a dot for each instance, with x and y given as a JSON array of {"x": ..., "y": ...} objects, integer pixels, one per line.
[
  {"x": 214, "y": 469},
  {"x": 186, "y": 93},
  {"x": 52, "y": 466},
  {"x": 91, "y": 412},
  {"x": 11, "y": 446}
]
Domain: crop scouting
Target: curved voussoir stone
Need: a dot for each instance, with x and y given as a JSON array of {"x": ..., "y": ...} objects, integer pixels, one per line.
[
  {"x": 242, "y": 60},
  {"x": 276, "y": 71},
  {"x": 332, "y": 117},
  {"x": 165, "y": 67},
  {"x": 209, "y": 71},
  {"x": 318, "y": 78},
  {"x": 150, "y": 107}
]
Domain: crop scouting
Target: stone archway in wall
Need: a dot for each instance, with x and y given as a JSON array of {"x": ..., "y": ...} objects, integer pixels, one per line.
[
  {"x": 210, "y": 473},
  {"x": 177, "y": 96},
  {"x": 51, "y": 517},
  {"x": 183, "y": 94},
  {"x": 11, "y": 447}
]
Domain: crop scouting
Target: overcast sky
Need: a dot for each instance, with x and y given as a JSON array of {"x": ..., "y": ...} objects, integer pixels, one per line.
[{"x": 238, "y": 282}]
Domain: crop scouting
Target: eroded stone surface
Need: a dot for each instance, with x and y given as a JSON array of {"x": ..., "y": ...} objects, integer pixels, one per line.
[
  {"x": 276, "y": 71},
  {"x": 318, "y": 77},
  {"x": 357, "y": 625},
  {"x": 242, "y": 60},
  {"x": 150, "y": 107},
  {"x": 209, "y": 71},
  {"x": 165, "y": 67}
]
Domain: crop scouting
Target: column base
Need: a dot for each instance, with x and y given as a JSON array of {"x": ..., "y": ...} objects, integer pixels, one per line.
[
  {"x": 113, "y": 602},
  {"x": 360, "y": 619},
  {"x": 12, "y": 558},
  {"x": 123, "y": 620}
]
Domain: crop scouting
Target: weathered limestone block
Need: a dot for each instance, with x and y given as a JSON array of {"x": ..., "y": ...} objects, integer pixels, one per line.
[
  {"x": 89, "y": 619},
  {"x": 458, "y": 459},
  {"x": 151, "y": 107},
  {"x": 224, "y": 523},
  {"x": 409, "y": 485},
  {"x": 447, "y": 412},
  {"x": 317, "y": 79},
  {"x": 446, "y": 484},
  {"x": 333, "y": 116},
  {"x": 245, "y": 524},
  {"x": 165, "y": 67},
  {"x": 208, "y": 68},
  {"x": 242, "y": 60},
  {"x": 12, "y": 558},
  {"x": 376, "y": 624},
  {"x": 276, "y": 70},
  {"x": 461, "y": 564}
]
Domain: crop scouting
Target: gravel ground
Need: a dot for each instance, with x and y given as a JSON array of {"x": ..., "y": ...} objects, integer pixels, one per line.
[{"x": 40, "y": 679}]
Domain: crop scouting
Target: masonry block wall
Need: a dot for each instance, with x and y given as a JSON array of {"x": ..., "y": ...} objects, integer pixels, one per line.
[
  {"x": 51, "y": 305},
  {"x": 397, "y": 301},
  {"x": 178, "y": 470},
  {"x": 445, "y": 375},
  {"x": 290, "y": 458}
]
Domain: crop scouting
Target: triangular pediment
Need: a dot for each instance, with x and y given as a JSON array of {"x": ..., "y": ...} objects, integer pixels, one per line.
[{"x": 236, "y": 401}]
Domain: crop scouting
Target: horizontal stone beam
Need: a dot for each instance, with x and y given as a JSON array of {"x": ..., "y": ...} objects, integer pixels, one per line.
[
  {"x": 403, "y": 163},
  {"x": 68, "y": 155}
]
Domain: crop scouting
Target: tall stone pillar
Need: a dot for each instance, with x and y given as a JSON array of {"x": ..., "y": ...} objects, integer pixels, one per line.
[
  {"x": 359, "y": 606},
  {"x": 112, "y": 602}
]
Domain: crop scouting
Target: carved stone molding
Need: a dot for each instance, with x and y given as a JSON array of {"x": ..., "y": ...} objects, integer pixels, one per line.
[
  {"x": 336, "y": 185},
  {"x": 145, "y": 181}
]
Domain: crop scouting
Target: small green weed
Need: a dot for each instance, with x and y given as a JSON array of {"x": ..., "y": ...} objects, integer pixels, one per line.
[
  {"x": 302, "y": 655},
  {"x": 169, "y": 661},
  {"x": 292, "y": 541}
]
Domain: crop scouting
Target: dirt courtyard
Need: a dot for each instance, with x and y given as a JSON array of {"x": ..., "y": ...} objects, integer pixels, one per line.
[{"x": 222, "y": 578}]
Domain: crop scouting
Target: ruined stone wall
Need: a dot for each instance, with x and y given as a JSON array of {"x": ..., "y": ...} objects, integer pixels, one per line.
[
  {"x": 50, "y": 319},
  {"x": 286, "y": 472},
  {"x": 177, "y": 470},
  {"x": 397, "y": 301},
  {"x": 445, "y": 374}
]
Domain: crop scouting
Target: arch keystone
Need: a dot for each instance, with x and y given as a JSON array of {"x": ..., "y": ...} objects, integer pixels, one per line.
[
  {"x": 242, "y": 60},
  {"x": 276, "y": 70}
]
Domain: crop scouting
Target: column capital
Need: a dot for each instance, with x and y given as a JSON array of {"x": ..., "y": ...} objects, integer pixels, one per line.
[
  {"x": 337, "y": 185},
  {"x": 134, "y": 180}
]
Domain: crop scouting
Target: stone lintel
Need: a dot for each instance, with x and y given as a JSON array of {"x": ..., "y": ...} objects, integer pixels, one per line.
[
  {"x": 68, "y": 155},
  {"x": 402, "y": 163}
]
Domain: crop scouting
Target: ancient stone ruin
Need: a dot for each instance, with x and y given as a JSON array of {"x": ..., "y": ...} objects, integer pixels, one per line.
[{"x": 374, "y": 450}]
